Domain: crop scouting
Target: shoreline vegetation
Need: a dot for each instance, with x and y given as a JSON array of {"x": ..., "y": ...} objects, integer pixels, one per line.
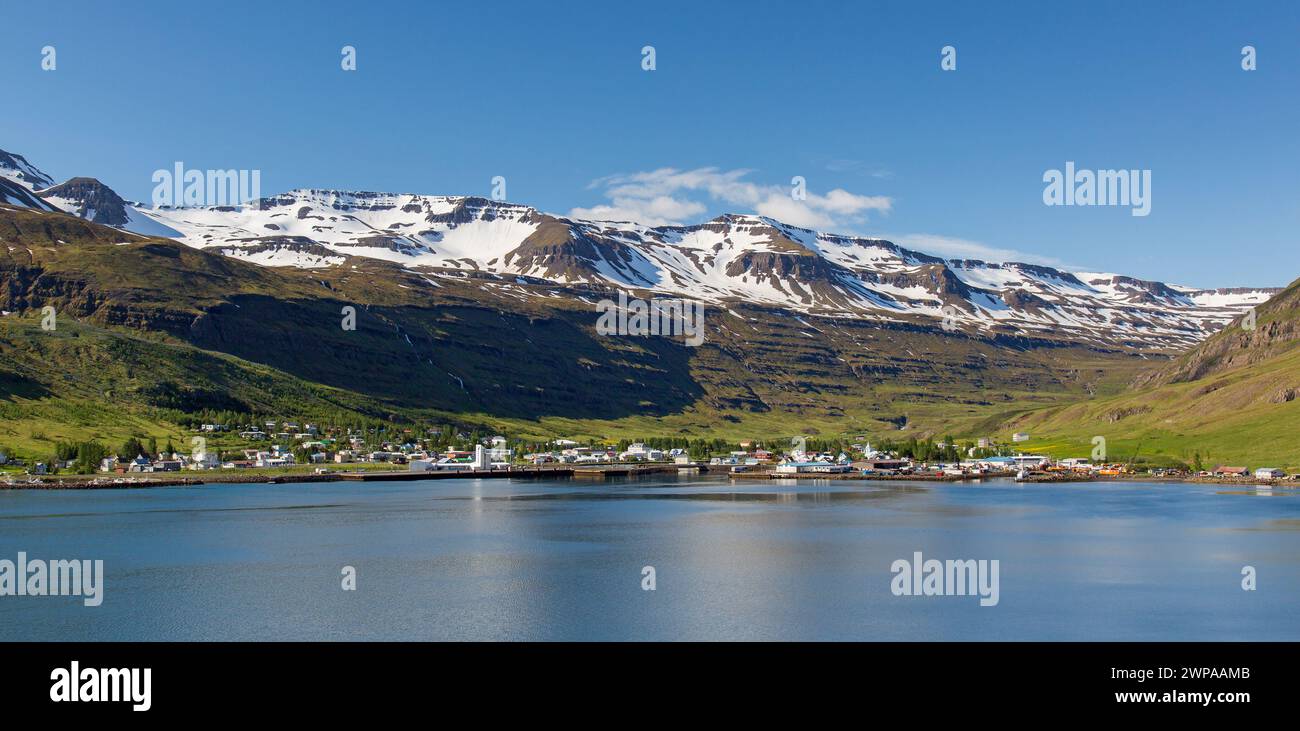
[{"x": 605, "y": 472}]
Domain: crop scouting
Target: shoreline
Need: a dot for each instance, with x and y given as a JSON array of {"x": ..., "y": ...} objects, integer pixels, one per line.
[
  {"x": 596, "y": 473},
  {"x": 85, "y": 482}
]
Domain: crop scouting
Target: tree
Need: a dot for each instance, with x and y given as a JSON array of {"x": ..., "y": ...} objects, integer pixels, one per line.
[
  {"x": 89, "y": 455},
  {"x": 132, "y": 448},
  {"x": 302, "y": 455}
]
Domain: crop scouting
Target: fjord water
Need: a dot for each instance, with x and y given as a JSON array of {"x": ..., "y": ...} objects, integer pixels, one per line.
[{"x": 734, "y": 560}]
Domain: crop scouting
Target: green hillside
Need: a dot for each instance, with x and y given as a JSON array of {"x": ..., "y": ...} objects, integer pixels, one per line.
[
  {"x": 81, "y": 382},
  {"x": 1232, "y": 399},
  {"x": 151, "y": 332}
]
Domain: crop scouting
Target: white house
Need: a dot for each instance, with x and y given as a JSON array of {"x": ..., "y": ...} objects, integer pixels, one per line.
[
  {"x": 642, "y": 452},
  {"x": 794, "y": 468},
  {"x": 499, "y": 453},
  {"x": 1020, "y": 460},
  {"x": 205, "y": 461},
  {"x": 268, "y": 459},
  {"x": 1269, "y": 473}
]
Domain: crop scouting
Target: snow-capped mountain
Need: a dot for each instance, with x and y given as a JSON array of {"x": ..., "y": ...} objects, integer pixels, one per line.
[
  {"x": 19, "y": 180},
  {"x": 94, "y": 201},
  {"x": 732, "y": 258},
  {"x": 23, "y": 184},
  {"x": 16, "y": 167}
]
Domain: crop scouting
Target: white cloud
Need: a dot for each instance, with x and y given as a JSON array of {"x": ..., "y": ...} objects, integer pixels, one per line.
[
  {"x": 670, "y": 196},
  {"x": 796, "y": 213},
  {"x": 660, "y": 210},
  {"x": 954, "y": 248}
]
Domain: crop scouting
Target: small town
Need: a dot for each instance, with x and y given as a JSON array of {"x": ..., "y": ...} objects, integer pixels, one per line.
[{"x": 284, "y": 448}]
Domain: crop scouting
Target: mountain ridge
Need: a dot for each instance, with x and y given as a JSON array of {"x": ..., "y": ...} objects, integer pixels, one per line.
[
  {"x": 1265, "y": 333},
  {"x": 730, "y": 258}
]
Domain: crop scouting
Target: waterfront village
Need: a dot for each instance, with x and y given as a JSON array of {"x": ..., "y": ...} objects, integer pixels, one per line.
[{"x": 288, "y": 447}]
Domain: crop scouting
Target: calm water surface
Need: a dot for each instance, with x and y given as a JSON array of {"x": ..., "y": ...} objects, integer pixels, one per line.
[{"x": 562, "y": 560}]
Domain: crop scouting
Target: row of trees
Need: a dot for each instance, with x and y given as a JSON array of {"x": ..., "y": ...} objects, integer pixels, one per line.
[
  {"x": 85, "y": 457},
  {"x": 926, "y": 450}
]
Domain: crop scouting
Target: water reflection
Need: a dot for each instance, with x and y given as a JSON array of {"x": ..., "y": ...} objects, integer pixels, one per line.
[{"x": 735, "y": 559}]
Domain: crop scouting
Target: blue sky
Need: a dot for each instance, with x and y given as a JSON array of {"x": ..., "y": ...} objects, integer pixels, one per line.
[{"x": 848, "y": 95}]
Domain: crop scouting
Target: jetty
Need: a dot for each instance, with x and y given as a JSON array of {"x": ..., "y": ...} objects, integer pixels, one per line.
[
  {"x": 538, "y": 472},
  {"x": 528, "y": 473},
  {"x": 627, "y": 470},
  {"x": 858, "y": 476}
]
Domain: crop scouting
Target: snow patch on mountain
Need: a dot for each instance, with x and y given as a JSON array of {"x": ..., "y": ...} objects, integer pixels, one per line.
[{"x": 732, "y": 258}]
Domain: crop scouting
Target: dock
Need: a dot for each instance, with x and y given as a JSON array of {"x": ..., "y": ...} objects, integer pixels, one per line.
[
  {"x": 516, "y": 474},
  {"x": 596, "y": 472},
  {"x": 625, "y": 470},
  {"x": 858, "y": 476}
]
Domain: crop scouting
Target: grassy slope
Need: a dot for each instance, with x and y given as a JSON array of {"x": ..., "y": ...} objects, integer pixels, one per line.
[
  {"x": 134, "y": 314},
  {"x": 1235, "y": 399},
  {"x": 931, "y": 399},
  {"x": 82, "y": 382}
]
